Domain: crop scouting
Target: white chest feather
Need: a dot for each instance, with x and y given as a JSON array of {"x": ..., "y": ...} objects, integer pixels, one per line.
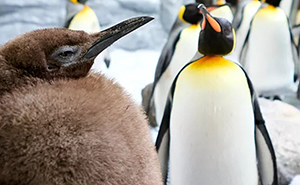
[
  {"x": 224, "y": 12},
  {"x": 212, "y": 128}
]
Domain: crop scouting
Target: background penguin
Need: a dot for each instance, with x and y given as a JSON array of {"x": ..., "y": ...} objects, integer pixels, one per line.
[
  {"x": 221, "y": 9},
  {"x": 179, "y": 49},
  {"x": 241, "y": 23},
  {"x": 290, "y": 7},
  {"x": 213, "y": 131},
  {"x": 181, "y": 44},
  {"x": 59, "y": 126},
  {"x": 269, "y": 54},
  {"x": 82, "y": 17}
]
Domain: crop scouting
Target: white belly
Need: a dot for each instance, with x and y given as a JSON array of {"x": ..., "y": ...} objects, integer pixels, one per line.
[
  {"x": 184, "y": 52},
  {"x": 269, "y": 57},
  {"x": 212, "y": 130}
]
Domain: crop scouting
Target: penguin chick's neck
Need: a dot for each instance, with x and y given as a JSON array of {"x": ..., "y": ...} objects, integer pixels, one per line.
[{"x": 10, "y": 78}]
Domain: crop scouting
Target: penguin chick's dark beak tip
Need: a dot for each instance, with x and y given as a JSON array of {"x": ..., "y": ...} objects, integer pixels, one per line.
[{"x": 112, "y": 34}]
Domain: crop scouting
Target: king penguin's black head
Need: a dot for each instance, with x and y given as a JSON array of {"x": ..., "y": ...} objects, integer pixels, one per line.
[
  {"x": 190, "y": 13},
  {"x": 217, "y": 35},
  {"x": 274, "y": 3},
  {"x": 59, "y": 53}
]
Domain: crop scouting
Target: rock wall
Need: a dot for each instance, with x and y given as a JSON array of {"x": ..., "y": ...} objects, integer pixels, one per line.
[{"x": 19, "y": 16}]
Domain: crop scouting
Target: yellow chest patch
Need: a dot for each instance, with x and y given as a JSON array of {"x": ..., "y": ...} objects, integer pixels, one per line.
[
  {"x": 213, "y": 72},
  {"x": 271, "y": 12},
  {"x": 85, "y": 13}
]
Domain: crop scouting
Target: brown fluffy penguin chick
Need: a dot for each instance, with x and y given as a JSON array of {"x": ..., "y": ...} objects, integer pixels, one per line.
[{"x": 59, "y": 127}]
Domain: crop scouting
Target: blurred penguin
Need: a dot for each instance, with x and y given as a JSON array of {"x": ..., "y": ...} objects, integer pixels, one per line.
[
  {"x": 181, "y": 44},
  {"x": 241, "y": 23},
  {"x": 290, "y": 7},
  {"x": 221, "y": 9},
  {"x": 82, "y": 17},
  {"x": 269, "y": 53}
]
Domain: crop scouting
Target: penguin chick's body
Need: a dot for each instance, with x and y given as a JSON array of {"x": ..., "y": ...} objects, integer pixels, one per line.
[
  {"x": 58, "y": 126},
  {"x": 269, "y": 54},
  {"x": 84, "y": 131},
  {"x": 82, "y": 17},
  {"x": 212, "y": 125}
]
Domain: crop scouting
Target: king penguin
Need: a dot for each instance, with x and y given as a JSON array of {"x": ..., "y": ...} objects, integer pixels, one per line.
[
  {"x": 61, "y": 125},
  {"x": 179, "y": 49},
  {"x": 241, "y": 23},
  {"x": 269, "y": 54},
  {"x": 290, "y": 7},
  {"x": 212, "y": 131},
  {"x": 181, "y": 44},
  {"x": 81, "y": 17}
]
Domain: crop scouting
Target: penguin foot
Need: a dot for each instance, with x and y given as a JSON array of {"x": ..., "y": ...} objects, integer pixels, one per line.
[
  {"x": 107, "y": 62},
  {"x": 275, "y": 97}
]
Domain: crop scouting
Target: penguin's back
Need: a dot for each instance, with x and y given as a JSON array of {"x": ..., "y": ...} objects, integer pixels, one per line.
[
  {"x": 268, "y": 57},
  {"x": 84, "y": 131},
  {"x": 212, "y": 125}
]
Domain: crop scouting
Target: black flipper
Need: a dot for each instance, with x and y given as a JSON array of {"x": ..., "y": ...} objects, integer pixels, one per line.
[
  {"x": 67, "y": 24},
  {"x": 266, "y": 157},
  {"x": 245, "y": 45},
  {"x": 295, "y": 51},
  {"x": 162, "y": 143},
  {"x": 163, "y": 138}
]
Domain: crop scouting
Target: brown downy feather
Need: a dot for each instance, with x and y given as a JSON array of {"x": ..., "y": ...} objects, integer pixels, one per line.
[
  {"x": 59, "y": 127},
  {"x": 84, "y": 131}
]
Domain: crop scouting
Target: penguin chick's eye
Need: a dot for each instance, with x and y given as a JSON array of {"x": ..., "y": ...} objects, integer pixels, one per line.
[{"x": 66, "y": 55}]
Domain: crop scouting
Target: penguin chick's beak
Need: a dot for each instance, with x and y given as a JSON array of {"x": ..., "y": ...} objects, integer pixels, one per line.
[
  {"x": 208, "y": 19},
  {"x": 112, "y": 34}
]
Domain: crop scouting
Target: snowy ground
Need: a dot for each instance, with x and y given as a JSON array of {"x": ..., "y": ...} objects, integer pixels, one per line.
[{"x": 134, "y": 70}]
